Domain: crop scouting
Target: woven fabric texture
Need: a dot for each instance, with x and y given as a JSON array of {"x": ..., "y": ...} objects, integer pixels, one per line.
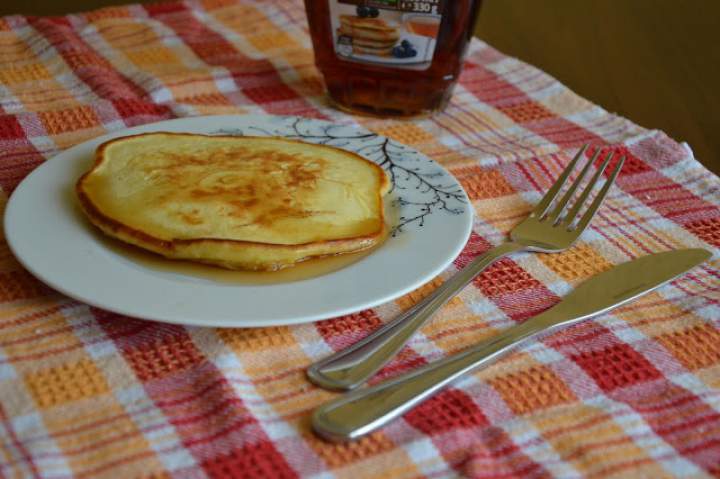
[{"x": 88, "y": 393}]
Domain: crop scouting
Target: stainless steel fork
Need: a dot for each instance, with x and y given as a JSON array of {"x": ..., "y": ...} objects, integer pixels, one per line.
[{"x": 550, "y": 228}]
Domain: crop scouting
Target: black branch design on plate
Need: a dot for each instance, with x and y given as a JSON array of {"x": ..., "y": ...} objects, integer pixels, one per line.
[{"x": 420, "y": 188}]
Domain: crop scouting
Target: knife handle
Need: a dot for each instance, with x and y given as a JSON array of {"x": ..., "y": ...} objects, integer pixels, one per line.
[
  {"x": 354, "y": 365},
  {"x": 364, "y": 410}
]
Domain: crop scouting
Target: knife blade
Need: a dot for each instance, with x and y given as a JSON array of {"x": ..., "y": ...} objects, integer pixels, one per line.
[{"x": 362, "y": 411}]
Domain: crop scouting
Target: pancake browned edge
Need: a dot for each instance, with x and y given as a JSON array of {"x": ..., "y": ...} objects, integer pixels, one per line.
[{"x": 231, "y": 253}]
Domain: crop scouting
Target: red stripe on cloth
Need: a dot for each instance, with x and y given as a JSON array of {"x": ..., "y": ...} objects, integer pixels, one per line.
[
  {"x": 10, "y": 128},
  {"x": 494, "y": 455},
  {"x": 475, "y": 246},
  {"x": 582, "y": 337},
  {"x": 294, "y": 15},
  {"x": 496, "y": 91},
  {"x": 17, "y": 444},
  {"x": 508, "y": 143},
  {"x": 129, "y": 332},
  {"x": 191, "y": 395},
  {"x": 252, "y": 461},
  {"x": 404, "y": 361},
  {"x": 165, "y": 7},
  {"x": 488, "y": 86},
  {"x": 533, "y": 174},
  {"x": 77, "y": 430},
  {"x": 519, "y": 176},
  {"x": 707, "y": 230},
  {"x": 96, "y": 471},
  {"x": 598, "y": 422},
  {"x": 627, "y": 376},
  {"x": 681, "y": 418},
  {"x": 462, "y": 433},
  {"x": 257, "y": 78},
  {"x": 339, "y": 333},
  {"x": 448, "y": 410},
  {"x": 632, "y": 166},
  {"x": 94, "y": 70},
  {"x": 63, "y": 332},
  {"x": 18, "y": 156},
  {"x": 343, "y": 331},
  {"x": 510, "y": 287},
  {"x": 668, "y": 198},
  {"x": 660, "y": 149},
  {"x": 563, "y": 133},
  {"x": 617, "y": 366},
  {"x": 37, "y": 314},
  {"x": 19, "y": 285},
  {"x": 514, "y": 290},
  {"x": 172, "y": 370},
  {"x": 170, "y": 355},
  {"x": 44, "y": 354},
  {"x": 137, "y": 112},
  {"x": 192, "y": 416},
  {"x": 525, "y": 304}
]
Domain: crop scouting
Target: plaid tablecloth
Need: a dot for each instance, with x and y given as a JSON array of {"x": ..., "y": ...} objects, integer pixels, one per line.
[{"x": 88, "y": 393}]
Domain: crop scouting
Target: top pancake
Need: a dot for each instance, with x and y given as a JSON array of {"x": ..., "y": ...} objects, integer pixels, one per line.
[{"x": 239, "y": 202}]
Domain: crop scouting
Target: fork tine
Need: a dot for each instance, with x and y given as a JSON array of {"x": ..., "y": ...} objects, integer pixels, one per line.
[
  {"x": 562, "y": 205},
  {"x": 546, "y": 200},
  {"x": 588, "y": 189},
  {"x": 588, "y": 216}
]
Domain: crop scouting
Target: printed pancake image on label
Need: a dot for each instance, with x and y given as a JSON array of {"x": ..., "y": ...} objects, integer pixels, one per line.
[{"x": 397, "y": 33}]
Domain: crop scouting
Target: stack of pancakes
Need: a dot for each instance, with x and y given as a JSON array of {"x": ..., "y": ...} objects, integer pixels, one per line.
[{"x": 371, "y": 36}]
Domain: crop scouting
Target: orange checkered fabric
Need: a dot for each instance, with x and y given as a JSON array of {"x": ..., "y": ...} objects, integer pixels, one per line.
[{"x": 88, "y": 393}]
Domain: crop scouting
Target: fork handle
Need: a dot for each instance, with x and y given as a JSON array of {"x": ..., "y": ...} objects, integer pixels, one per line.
[{"x": 354, "y": 365}]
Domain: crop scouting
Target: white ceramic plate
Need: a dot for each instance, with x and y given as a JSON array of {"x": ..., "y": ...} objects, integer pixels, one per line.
[{"x": 52, "y": 239}]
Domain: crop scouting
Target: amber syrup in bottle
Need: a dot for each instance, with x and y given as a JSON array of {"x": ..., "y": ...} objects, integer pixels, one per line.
[{"x": 391, "y": 57}]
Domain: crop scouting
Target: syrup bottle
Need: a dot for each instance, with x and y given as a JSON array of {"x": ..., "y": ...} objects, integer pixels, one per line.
[{"x": 391, "y": 57}]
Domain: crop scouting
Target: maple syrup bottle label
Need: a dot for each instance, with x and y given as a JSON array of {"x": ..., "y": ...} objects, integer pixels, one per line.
[{"x": 392, "y": 33}]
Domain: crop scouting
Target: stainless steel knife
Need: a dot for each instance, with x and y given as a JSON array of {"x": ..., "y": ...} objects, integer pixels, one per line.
[{"x": 364, "y": 410}]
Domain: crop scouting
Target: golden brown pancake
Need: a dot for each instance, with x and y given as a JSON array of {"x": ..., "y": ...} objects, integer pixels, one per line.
[{"x": 238, "y": 202}]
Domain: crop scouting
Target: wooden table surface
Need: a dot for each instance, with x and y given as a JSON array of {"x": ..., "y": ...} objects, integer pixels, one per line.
[{"x": 656, "y": 62}]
